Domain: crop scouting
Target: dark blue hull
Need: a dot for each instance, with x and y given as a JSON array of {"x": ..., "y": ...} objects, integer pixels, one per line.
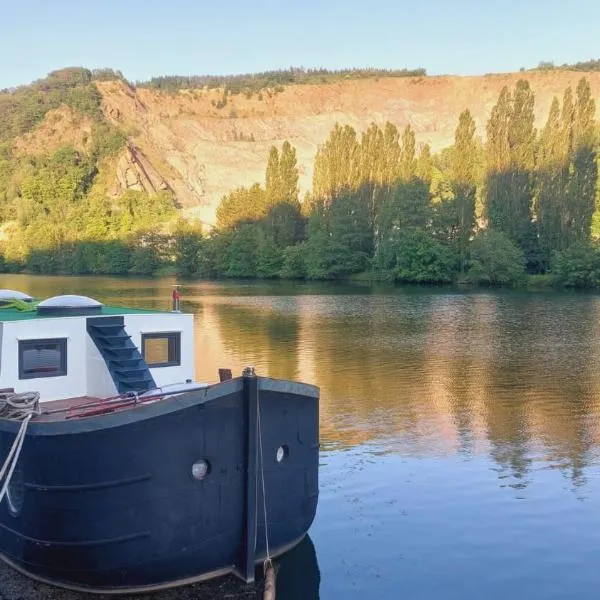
[{"x": 109, "y": 503}]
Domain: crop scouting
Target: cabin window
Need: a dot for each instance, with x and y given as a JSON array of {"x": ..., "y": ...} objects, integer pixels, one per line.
[
  {"x": 162, "y": 349},
  {"x": 42, "y": 358}
]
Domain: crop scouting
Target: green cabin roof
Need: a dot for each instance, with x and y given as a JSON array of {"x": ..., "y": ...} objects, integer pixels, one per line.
[{"x": 26, "y": 311}]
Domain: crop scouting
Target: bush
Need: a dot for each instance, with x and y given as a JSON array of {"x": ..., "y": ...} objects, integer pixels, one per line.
[
  {"x": 422, "y": 259},
  {"x": 577, "y": 266},
  {"x": 294, "y": 265},
  {"x": 495, "y": 260}
]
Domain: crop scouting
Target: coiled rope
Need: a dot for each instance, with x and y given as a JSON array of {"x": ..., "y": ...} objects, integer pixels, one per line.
[{"x": 16, "y": 407}]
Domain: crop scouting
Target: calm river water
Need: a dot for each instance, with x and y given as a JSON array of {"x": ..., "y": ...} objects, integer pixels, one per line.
[{"x": 460, "y": 430}]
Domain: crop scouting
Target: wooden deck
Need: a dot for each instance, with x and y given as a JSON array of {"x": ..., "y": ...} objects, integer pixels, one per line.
[{"x": 82, "y": 407}]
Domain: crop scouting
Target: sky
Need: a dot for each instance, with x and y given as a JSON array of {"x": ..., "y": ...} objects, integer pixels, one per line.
[{"x": 145, "y": 38}]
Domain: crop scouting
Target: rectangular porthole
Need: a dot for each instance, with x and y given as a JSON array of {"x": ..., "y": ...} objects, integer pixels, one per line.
[
  {"x": 42, "y": 358},
  {"x": 162, "y": 349}
]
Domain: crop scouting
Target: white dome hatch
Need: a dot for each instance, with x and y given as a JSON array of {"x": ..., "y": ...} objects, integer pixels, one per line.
[
  {"x": 6, "y": 295},
  {"x": 69, "y": 305}
]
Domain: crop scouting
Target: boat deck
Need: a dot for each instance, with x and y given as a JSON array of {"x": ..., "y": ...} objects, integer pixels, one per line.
[{"x": 84, "y": 406}]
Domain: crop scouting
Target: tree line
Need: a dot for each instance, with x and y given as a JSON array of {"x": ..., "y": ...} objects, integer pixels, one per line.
[
  {"x": 257, "y": 82},
  {"x": 585, "y": 66}
]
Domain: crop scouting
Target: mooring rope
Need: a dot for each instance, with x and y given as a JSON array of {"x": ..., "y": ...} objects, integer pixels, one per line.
[
  {"x": 268, "y": 569},
  {"x": 16, "y": 407},
  {"x": 262, "y": 476}
]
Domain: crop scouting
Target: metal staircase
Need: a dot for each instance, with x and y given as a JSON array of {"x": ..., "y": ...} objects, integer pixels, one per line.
[{"x": 127, "y": 368}]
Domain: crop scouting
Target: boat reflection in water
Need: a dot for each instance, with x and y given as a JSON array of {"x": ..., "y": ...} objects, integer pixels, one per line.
[{"x": 298, "y": 577}]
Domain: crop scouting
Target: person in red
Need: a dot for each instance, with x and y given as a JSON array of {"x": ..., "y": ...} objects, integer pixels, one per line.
[{"x": 176, "y": 295}]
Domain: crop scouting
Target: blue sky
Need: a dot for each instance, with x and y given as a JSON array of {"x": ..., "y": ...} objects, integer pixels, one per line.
[{"x": 143, "y": 38}]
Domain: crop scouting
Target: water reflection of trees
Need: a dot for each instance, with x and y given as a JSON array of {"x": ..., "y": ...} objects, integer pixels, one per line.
[
  {"x": 264, "y": 338},
  {"x": 509, "y": 375}
]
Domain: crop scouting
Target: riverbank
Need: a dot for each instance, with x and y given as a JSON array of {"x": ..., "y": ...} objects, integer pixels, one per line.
[{"x": 528, "y": 282}]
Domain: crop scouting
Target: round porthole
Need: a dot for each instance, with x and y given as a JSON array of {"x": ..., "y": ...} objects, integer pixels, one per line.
[
  {"x": 282, "y": 453},
  {"x": 200, "y": 469}
]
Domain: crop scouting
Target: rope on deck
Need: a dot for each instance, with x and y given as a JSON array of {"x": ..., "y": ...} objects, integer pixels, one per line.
[{"x": 16, "y": 407}]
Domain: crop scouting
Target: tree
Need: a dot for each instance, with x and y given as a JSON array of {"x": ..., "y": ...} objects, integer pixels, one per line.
[
  {"x": 337, "y": 164},
  {"x": 242, "y": 251},
  {"x": 509, "y": 165},
  {"x": 577, "y": 266},
  {"x": 242, "y": 205},
  {"x": 584, "y": 168},
  {"x": 288, "y": 174},
  {"x": 273, "y": 184},
  {"x": 408, "y": 165},
  {"x": 187, "y": 246},
  {"x": 294, "y": 262},
  {"x": 372, "y": 155},
  {"x": 495, "y": 259},
  {"x": 419, "y": 258},
  {"x": 464, "y": 183},
  {"x": 424, "y": 167},
  {"x": 551, "y": 175}
]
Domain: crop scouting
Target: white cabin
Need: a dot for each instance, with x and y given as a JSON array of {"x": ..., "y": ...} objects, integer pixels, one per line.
[{"x": 73, "y": 346}]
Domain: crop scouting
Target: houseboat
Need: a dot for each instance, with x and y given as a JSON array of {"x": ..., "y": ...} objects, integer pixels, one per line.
[{"x": 120, "y": 473}]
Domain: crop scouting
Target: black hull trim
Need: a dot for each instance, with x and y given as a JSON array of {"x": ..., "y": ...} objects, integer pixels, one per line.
[
  {"x": 112, "y": 503},
  {"x": 147, "y": 588}
]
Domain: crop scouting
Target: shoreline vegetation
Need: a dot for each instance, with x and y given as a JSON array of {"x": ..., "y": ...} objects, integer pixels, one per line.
[{"x": 519, "y": 209}]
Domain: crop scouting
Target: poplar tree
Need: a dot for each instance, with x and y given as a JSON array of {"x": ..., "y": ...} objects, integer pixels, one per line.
[
  {"x": 391, "y": 154},
  {"x": 273, "y": 178},
  {"x": 584, "y": 168},
  {"x": 372, "y": 156},
  {"x": 464, "y": 182},
  {"x": 283, "y": 224},
  {"x": 288, "y": 174},
  {"x": 424, "y": 164},
  {"x": 407, "y": 155},
  {"x": 549, "y": 194},
  {"x": 337, "y": 164},
  {"x": 509, "y": 177}
]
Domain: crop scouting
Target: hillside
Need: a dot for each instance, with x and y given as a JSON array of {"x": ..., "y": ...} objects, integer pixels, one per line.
[
  {"x": 199, "y": 144},
  {"x": 184, "y": 141}
]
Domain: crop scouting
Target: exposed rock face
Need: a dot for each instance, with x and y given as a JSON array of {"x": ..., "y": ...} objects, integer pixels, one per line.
[
  {"x": 135, "y": 172},
  {"x": 201, "y": 152}
]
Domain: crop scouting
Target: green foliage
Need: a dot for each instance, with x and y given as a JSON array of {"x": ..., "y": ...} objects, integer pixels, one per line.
[
  {"x": 578, "y": 266},
  {"x": 187, "y": 247},
  {"x": 495, "y": 260},
  {"x": 510, "y": 164},
  {"x": 269, "y": 256},
  {"x": 23, "y": 108},
  {"x": 107, "y": 141},
  {"x": 464, "y": 175},
  {"x": 587, "y": 65},
  {"x": 338, "y": 163},
  {"x": 567, "y": 174},
  {"x": 242, "y": 251},
  {"x": 294, "y": 262},
  {"x": 419, "y": 258},
  {"x": 242, "y": 205}
]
